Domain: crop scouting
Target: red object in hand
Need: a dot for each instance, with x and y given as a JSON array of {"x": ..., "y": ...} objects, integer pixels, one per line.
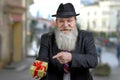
[
  {"x": 38, "y": 69},
  {"x": 39, "y": 66}
]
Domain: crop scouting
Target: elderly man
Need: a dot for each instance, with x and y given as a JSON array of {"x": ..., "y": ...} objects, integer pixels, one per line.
[{"x": 69, "y": 51}]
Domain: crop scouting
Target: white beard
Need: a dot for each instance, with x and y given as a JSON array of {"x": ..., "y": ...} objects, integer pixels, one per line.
[{"x": 66, "y": 41}]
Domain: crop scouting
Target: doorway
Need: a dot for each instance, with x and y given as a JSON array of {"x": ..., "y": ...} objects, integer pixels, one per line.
[{"x": 16, "y": 42}]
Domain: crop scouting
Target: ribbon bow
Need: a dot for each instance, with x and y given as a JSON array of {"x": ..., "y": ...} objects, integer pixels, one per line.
[{"x": 39, "y": 66}]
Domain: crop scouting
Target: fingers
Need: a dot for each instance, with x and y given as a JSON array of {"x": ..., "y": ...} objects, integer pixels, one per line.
[
  {"x": 62, "y": 61},
  {"x": 63, "y": 57},
  {"x": 36, "y": 77},
  {"x": 57, "y": 56}
]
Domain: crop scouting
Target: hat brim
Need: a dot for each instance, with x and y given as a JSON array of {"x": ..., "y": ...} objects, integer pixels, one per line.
[{"x": 64, "y": 15}]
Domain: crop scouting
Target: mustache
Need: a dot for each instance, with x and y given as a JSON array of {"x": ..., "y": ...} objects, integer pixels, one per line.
[{"x": 65, "y": 29}]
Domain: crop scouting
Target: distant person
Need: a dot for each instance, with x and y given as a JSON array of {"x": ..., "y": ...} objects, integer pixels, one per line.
[
  {"x": 99, "y": 52},
  {"x": 69, "y": 51},
  {"x": 106, "y": 42},
  {"x": 118, "y": 51}
]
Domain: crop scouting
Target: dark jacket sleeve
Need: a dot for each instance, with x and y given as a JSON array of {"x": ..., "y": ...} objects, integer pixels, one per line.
[
  {"x": 44, "y": 48},
  {"x": 88, "y": 59}
]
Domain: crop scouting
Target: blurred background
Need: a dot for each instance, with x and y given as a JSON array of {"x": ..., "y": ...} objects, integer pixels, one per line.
[{"x": 22, "y": 22}]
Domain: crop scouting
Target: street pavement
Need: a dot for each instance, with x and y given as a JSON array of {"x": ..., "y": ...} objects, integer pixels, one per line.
[
  {"x": 109, "y": 56},
  {"x": 20, "y": 71}
]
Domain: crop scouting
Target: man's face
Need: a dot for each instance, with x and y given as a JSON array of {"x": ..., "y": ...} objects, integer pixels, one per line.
[{"x": 66, "y": 25}]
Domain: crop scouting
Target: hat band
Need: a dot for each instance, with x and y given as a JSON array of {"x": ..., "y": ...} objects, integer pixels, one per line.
[{"x": 66, "y": 13}]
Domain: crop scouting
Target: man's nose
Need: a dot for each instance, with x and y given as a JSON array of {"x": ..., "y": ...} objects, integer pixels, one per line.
[{"x": 66, "y": 24}]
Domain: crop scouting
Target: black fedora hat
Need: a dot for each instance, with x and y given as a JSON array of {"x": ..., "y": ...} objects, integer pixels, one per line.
[{"x": 65, "y": 10}]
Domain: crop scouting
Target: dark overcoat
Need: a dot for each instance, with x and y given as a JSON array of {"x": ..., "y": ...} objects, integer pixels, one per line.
[{"x": 84, "y": 57}]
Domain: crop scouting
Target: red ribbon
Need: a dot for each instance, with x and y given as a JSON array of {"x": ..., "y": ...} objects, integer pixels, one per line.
[{"x": 39, "y": 66}]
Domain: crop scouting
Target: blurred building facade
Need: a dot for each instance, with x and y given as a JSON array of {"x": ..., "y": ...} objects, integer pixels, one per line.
[
  {"x": 13, "y": 29},
  {"x": 101, "y": 16},
  {"x": 43, "y": 25}
]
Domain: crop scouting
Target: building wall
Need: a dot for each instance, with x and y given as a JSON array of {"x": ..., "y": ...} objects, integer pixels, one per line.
[
  {"x": 9, "y": 17},
  {"x": 3, "y": 32},
  {"x": 1, "y": 29},
  {"x": 100, "y": 17},
  {"x": 15, "y": 2}
]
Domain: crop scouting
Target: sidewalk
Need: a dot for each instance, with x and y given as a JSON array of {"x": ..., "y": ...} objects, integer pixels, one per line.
[
  {"x": 24, "y": 64},
  {"x": 115, "y": 75},
  {"x": 18, "y": 71},
  {"x": 109, "y": 57}
]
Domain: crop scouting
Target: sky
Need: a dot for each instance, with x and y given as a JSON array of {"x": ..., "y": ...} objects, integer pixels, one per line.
[{"x": 46, "y": 8}]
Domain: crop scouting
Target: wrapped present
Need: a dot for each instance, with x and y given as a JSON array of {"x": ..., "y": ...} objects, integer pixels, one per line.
[{"x": 38, "y": 68}]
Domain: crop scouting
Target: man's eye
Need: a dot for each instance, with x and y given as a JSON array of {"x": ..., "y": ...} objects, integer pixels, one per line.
[
  {"x": 69, "y": 20},
  {"x": 61, "y": 21}
]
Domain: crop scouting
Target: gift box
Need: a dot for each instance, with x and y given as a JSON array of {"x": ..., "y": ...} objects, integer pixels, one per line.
[{"x": 38, "y": 68}]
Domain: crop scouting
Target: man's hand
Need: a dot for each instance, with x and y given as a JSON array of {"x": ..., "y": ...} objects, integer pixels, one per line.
[
  {"x": 36, "y": 77},
  {"x": 63, "y": 57}
]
